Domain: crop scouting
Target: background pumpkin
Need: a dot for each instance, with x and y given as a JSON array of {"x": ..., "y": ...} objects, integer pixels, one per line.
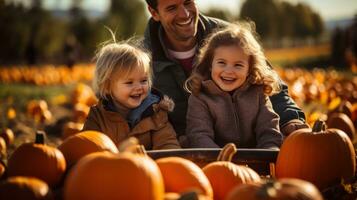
[
  {"x": 104, "y": 175},
  {"x": 84, "y": 143},
  {"x": 319, "y": 156},
  {"x": 28, "y": 188},
  {"x": 343, "y": 122},
  {"x": 287, "y": 189},
  {"x": 38, "y": 160}
]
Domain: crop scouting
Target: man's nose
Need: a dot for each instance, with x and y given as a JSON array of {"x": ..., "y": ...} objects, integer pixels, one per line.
[{"x": 183, "y": 12}]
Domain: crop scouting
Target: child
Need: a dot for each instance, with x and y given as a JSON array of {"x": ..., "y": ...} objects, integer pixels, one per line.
[
  {"x": 231, "y": 102},
  {"x": 127, "y": 105}
]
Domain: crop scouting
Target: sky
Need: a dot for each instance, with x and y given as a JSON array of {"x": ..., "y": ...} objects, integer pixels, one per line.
[{"x": 328, "y": 9}]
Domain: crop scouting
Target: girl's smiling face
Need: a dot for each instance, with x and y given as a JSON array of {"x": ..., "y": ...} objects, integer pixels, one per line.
[
  {"x": 132, "y": 89},
  {"x": 230, "y": 67}
]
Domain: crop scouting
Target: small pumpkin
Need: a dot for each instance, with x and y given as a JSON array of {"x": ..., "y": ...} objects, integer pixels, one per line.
[
  {"x": 77, "y": 146},
  {"x": 71, "y": 128},
  {"x": 38, "y": 160},
  {"x": 320, "y": 156},
  {"x": 225, "y": 175},
  {"x": 289, "y": 189},
  {"x": 181, "y": 175},
  {"x": 80, "y": 112},
  {"x": 28, "y": 188},
  {"x": 343, "y": 122},
  {"x": 104, "y": 175}
]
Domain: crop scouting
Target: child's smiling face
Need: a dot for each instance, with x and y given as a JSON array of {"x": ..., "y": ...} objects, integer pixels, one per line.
[
  {"x": 132, "y": 89},
  {"x": 230, "y": 67}
]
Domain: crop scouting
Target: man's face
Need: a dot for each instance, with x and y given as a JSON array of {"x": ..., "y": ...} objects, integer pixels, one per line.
[{"x": 178, "y": 17}]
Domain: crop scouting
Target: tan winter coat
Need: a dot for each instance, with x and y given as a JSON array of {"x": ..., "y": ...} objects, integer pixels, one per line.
[
  {"x": 154, "y": 132},
  {"x": 246, "y": 118}
]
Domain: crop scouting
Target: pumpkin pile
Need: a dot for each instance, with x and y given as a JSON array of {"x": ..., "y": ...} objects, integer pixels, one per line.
[{"x": 88, "y": 165}]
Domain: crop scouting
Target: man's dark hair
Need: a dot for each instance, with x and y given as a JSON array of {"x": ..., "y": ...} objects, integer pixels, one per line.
[{"x": 152, "y": 3}]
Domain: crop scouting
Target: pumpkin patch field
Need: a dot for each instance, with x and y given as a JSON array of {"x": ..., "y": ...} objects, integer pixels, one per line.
[{"x": 45, "y": 155}]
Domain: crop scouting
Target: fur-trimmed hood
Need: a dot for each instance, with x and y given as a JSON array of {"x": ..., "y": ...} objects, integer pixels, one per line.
[{"x": 166, "y": 104}]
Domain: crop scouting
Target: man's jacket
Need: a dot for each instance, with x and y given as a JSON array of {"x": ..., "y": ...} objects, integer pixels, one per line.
[{"x": 169, "y": 76}]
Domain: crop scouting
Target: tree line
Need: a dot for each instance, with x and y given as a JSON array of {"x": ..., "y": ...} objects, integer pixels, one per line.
[{"x": 32, "y": 34}]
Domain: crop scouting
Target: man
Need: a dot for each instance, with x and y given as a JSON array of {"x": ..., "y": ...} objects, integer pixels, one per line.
[{"x": 174, "y": 34}]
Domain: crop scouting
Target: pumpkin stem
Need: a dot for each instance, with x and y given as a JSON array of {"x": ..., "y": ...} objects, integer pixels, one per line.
[
  {"x": 40, "y": 137},
  {"x": 227, "y": 152},
  {"x": 128, "y": 145},
  {"x": 319, "y": 126},
  {"x": 269, "y": 189},
  {"x": 140, "y": 149}
]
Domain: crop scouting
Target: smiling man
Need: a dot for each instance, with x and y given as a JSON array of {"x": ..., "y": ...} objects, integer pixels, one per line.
[{"x": 173, "y": 35}]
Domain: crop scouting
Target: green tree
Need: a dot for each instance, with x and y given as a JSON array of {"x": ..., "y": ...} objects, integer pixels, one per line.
[
  {"x": 126, "y": 17},
  {"x": 303, "y": 25},
  {"x": 265, "y": 14},
  {"x": 220, "y": 14},
  {"x": 14, "y": 32}
]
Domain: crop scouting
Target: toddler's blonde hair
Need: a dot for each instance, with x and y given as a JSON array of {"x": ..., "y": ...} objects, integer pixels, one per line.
[{"x": 115, "y": 60}]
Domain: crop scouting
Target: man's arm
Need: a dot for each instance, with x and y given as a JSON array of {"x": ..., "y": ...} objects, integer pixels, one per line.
[{"x": 291, "y": 116}]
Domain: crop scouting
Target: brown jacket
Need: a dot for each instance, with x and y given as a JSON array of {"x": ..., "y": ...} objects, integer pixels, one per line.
[
  {"x": 246, "y": 118},
  {"x": 154, "y": 132}
]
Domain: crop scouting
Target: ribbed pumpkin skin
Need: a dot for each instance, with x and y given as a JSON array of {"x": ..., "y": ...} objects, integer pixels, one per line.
[
  {"x": 289, "y": 189},
  {"x": 28, "y": 188},
  {"x": 84, "y": 143},
  {"x": 38, "y": 160},
  {"x": 320, "y": 158},
  {"x": 181, "y": 174},
  {"x": 224, "y": 176},
  {"x": 104, "y": 175}
]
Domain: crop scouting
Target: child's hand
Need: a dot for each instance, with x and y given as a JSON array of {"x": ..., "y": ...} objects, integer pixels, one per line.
[
  {"x": 195, "y": 83},
  {"x": 293, "y": 125}
]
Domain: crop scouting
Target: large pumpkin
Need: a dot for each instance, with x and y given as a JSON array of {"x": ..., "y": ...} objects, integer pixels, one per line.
[
  {"x": 288, "y": 189},
  {"x": 181, "y": 175},
  {"x": 38, "y": 160},
  {"x": 104, "y": 175},
  {"x": 28, "y": 188},
  {"x": 320, "y": 156},
  {"x": 225, "y": 175},
  {"x": 84, "y": 143}
]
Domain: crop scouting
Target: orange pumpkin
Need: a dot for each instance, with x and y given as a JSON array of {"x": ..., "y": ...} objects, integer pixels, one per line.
[
  {"x": 38, "y": 160},
  {"x": 225, "y": 175},
  {"x": 28, "y": 188},
  {"x": 181, "y": 175},
  {"x": 319, "y": 156},
  {"x": 104, "y": 175},
  {"x": 8, "y": 136},
  {"x": 71, "y": 128},
  {"x": 289, "y": 189},
  {"x": 343, "y": 122},
  {"x": 80, "y": 112},
  {"x": 86, "y": 142}
]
